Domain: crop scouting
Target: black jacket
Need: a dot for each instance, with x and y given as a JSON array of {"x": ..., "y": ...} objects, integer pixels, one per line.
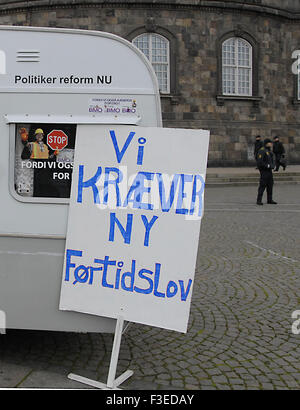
[
  {"x": 257, "y": 146},
  {"x": 278, "y": 148},
  {"x": 265, "y": 159}
]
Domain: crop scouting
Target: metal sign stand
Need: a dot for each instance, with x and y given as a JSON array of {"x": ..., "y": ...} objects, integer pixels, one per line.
[{"x": 112, "y": 383}]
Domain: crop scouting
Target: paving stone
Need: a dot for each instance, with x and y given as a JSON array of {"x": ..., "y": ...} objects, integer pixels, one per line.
[
  {"x": 46, "y": 379},
  {"x": 219, "y": 379},
  {"x": 12, "y": 374},
  {"x": 243, "y": 298}
]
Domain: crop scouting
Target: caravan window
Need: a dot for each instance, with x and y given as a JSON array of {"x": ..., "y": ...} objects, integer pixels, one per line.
[{"x": 44, "y": 156}]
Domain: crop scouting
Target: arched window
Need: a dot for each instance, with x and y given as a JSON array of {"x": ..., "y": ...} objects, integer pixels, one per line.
[
  {"x": 236, "y": 67},
  {"x": 156, "y": 49}
]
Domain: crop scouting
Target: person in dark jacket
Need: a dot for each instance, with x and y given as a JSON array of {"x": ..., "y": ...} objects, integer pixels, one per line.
[
  {"x": 258, "y": 145},
  {"x": 279, "y": 152},
  {"x": 265, "y": 164}
]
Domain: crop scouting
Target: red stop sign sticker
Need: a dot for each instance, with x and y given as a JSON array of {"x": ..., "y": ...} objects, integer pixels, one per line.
[{"x": 57, "y": 140}]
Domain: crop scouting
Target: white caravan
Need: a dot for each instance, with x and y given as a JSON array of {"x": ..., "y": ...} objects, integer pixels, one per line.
[{"x": 50, "y": 81}]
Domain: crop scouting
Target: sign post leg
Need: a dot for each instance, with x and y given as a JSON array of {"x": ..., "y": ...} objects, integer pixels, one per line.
[
  {"x": 112, "y": 383},
  {"x": 115, "y": 352}
]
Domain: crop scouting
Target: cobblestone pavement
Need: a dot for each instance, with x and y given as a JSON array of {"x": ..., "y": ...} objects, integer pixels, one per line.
[{"x": 239, "y": 337}]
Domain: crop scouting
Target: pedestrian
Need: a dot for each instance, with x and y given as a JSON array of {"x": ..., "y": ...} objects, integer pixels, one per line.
[
  {"x": 257, "y": 145},
  {"x": 279, "y": 153},
  {"x": 265, "y": 164}
]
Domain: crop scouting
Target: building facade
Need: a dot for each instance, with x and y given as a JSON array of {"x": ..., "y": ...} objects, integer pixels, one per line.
[{"x": 227, "y": 66}]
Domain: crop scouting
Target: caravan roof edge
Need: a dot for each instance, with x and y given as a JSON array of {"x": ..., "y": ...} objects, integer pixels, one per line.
[
  {"x": 102, "y": 34},
  {"x": 87, "y": 33}
]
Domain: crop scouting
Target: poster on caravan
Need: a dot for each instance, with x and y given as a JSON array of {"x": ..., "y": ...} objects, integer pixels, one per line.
[
  {"x": 44, "y": 156},
  {"x": 134, "y": 223}
]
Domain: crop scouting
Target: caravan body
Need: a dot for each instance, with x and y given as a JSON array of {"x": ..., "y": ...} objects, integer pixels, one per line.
[{"x": 51, "y": 80}]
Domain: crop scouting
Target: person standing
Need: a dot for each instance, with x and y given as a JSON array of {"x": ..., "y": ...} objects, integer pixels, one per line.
[
  {"x": 279, "y": 151},
  {"x": 265, "y": 164}
]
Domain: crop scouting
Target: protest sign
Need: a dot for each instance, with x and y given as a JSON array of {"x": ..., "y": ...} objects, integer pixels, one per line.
[{"x": 134, "y": 223}]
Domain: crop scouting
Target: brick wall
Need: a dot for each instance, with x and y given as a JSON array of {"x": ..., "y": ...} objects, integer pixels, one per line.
[{"x": 195, "y": 33}]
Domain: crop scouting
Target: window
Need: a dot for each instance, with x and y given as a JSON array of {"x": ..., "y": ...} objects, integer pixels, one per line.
[
  {"x": 43, "y": 160},
  {"x": 156, "y": 49},
  {"x": 236, "y": 67},
  {"x": 296, "y": 78}
]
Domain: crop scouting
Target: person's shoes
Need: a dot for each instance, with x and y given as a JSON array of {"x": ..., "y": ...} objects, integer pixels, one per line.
[
  {"x": 284, "y": 168},
  {"x": 259, "y": 203},
  {"x": 272, "y": 202}
]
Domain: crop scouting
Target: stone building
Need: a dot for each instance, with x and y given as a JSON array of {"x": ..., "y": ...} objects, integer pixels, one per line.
[{"x": 228, "y": 66}]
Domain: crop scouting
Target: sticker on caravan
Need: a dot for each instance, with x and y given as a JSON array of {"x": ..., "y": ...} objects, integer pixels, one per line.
[
  {"x": 114, "y": 105},
  {"x": 57, "y": 140},
  {"x": 44, "y": 155}
]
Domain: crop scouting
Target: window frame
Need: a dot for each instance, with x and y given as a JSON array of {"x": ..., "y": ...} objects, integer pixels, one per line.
[
  {"x": 296, "y": 90},
  {"x": 151, "y": 28},
  {"x": 254, "y": 98},
  {"x": 238, "y": 67},
  {"x": 167, "y": 63}
]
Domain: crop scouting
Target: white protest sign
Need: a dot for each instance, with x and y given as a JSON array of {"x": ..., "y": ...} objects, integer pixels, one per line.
[{"x": 134, "y": 223}]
